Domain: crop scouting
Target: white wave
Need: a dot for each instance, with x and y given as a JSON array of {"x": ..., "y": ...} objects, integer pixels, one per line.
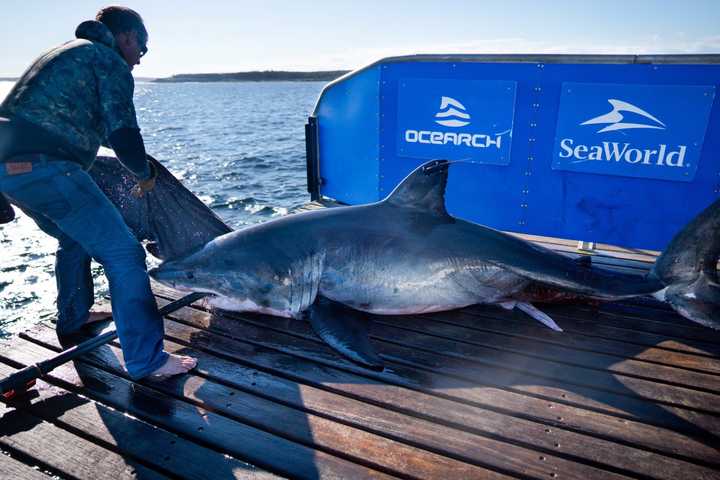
[{"x": 451, "y": 112}]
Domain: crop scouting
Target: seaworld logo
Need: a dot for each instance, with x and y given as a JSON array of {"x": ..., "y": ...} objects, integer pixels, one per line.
[
  {"x": 662, "y": 155},
  {"x": 614, "y": 118},
  {"x": 452, "y": 114}
]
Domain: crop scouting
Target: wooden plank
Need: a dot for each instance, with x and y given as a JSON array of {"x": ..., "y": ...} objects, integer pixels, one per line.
[
  {"x": 433, "y": 396},
  {"x": 513, "y": 371},
  {"x": 11, "y": 468},
  {"x": 657, "y": 314},
  {"x": 131, "y": 437},
  {"x": 658, "y": 321},
  {"x": 610, "y": 397},
  {"x": 226, "y": 435},
  {"x": 684, "y": 330},
  {"x": 602, "y": 247},
  {"x": 518, "y": 325},
  {"x": 418, "y": 332},
  {"x": 320, "y": 432},
  {"x": 621, "y": 262},
  {"x": 535, "y": 435},
  {"x": 61, "y": 451},
  {"x": 602, "y": 327}
]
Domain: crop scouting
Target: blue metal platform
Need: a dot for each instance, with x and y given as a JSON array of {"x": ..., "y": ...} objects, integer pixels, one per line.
[{"x": 613, "y": 149}]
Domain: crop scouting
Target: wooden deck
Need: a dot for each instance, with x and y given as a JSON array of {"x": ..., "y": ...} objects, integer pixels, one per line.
[{"x": 627, "y": 390}]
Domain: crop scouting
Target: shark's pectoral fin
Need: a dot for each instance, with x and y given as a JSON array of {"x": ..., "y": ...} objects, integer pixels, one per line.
[
  {"x": 346, "y": 330},
  {"x": 538, "y": 315}
]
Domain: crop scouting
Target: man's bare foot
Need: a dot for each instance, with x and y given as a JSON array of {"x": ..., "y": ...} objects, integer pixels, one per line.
[{"x": 175, "y": 365}]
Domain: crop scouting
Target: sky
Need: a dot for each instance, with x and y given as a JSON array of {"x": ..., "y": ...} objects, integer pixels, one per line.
[{"x": 238, "y": 35}]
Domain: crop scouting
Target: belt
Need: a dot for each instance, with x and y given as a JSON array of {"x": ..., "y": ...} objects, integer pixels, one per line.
[
  {"x": 34, "y": 158},
  {"x": 24, "y": 163}
]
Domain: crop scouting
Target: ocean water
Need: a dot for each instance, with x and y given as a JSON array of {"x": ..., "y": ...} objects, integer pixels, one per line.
[{"x": 239, "y": 146}]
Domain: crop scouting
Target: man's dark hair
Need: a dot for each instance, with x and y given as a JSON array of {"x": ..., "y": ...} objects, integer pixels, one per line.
[{"x": 122, "y": 19}]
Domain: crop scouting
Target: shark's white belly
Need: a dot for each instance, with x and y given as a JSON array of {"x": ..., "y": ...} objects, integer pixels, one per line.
[{"x": 403, "y": 288}]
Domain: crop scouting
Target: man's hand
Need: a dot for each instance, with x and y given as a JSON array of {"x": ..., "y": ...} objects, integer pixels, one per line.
[{"x": 144, "y": 186}]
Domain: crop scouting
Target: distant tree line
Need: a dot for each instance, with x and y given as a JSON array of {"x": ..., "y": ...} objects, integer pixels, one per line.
[{"x": 258, "y": 76}]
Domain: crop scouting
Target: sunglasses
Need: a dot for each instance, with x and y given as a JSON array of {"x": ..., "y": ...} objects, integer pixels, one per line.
[{"x": 142, "y": 44}]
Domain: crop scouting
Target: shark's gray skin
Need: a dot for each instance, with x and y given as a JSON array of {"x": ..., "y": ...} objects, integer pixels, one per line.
[{"x": 406, "y": 255}]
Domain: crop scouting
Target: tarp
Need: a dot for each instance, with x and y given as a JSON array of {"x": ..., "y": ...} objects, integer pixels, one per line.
[{"x": 170, "y": 216}]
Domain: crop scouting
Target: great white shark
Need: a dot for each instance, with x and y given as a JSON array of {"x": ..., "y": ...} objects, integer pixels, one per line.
[{"x": 407, "y": 255}]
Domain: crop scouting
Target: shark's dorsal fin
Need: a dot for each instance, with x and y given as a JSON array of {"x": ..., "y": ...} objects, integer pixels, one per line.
[{"x": 423, "y": 189}]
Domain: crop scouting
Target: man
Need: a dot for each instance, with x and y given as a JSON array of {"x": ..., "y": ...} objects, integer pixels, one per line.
[{"x": 72, "y": 99}]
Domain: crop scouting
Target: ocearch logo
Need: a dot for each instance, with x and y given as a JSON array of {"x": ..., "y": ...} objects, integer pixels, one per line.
[
  {"x": 452, "y": 114},
  {"x": 454, "y": 111},
  {"x": 662, "y": 155}
]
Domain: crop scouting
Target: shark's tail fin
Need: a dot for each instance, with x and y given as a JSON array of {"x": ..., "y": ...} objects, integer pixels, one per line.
[{"x": 688, "y": 267}]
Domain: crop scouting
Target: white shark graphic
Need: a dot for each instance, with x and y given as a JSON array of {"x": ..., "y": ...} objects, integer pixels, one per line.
[
  {"x": 449, "y": 107},
  {"x": 614, "y": 117}
]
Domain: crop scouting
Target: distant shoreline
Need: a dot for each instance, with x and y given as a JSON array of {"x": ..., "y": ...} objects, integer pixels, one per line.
[{"x": 256, "y": 76}]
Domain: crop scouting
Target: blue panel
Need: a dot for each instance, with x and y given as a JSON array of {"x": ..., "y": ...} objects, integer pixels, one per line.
[
  {"x": 496, "y": 198},
  {"x": 610, "y": 130},
  {"x": 536, "y": 190},
  {"x": 632, "y": 212},
  {"x": 348, "y": 139},
  {"x": 456, "y": 120}
]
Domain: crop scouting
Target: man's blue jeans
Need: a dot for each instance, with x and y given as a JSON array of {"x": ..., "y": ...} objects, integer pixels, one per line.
[{"x": 67, "y": 204}]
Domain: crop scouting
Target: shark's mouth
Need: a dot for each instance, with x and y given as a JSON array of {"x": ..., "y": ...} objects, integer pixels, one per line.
[{"x": 247, "y": 305}]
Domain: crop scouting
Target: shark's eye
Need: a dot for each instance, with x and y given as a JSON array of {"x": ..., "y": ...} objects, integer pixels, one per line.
[{"x": 189, "y": 275}]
